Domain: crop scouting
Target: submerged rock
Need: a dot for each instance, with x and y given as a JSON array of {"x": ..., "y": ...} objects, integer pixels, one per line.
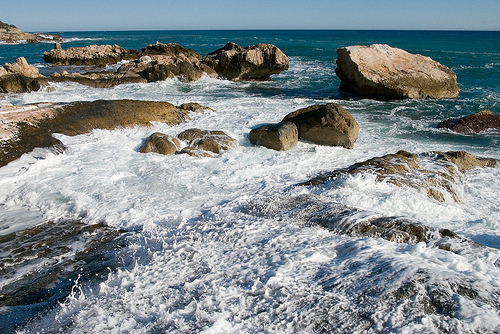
[
  {"x": 328, "y": 124},
  {"x": 206, "y": 140},
  {"x": 481, "y": 121},
  {"x": 382, "y": 71},
  {"x": 34, "y": 128},
  {"x": 403, "y": 169},
  {"x": 256, "y": 62},
  {"x": 279, "y": 137}
]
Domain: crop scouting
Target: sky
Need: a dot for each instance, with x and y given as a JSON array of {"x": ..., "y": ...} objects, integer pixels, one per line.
[{"x": 102, "y": 15}]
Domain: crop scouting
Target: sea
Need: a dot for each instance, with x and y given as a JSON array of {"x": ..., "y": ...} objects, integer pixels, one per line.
[{"x": 101, "y": 238}]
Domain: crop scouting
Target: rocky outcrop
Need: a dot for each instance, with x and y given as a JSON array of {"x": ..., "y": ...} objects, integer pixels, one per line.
[
  {"x": 99, "y": 55},
  {"x": 279, "y": 137},
  {"x": 11, "y": 34},
  {"x": 256, "y": 62},
  {"x": 481, "y": 121},
  {"x": 404, "y": 169},
  {"x": 379, "y": 70},
  {"x": 27, "y": 127},
  {"x": 104, "y": 79},
  {"x": 328, "y": 124},
  {"x": 161, "y": 143},
  {"x": 20, "y": 77}
]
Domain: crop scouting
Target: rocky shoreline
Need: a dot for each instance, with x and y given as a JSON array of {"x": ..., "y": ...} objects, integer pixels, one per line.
[{"x": 11, "y": 34}]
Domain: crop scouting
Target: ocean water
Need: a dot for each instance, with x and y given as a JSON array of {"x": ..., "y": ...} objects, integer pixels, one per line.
[{"x": 211, "y": 245}]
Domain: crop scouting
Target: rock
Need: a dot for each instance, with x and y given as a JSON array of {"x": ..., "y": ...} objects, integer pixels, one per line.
[
  {"x": 11, "y": 34},
  {"x": 197, "y": 153},
  {"x": 28, "y": 127},
  {"x": 20, "y": 77},
  {"x": 481, "y": 121},
  {"x": 279, "y": 137},
  {"x": 103, "y": 79},
  {"x": 89, "y": 55},
  {"x": 161, "y": 143},
  {"x": 256, "y": 62},
  {"x": 328, "y": 124},
  {"x": 403, "y": 169},
  {"x": 205, "y": 140},
  {"x": 159, "y": 62},
  {"x": 379, "y": 70}
]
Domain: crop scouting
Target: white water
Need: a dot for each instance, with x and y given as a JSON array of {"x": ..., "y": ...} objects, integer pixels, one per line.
[{"x": 203, "y": 264}]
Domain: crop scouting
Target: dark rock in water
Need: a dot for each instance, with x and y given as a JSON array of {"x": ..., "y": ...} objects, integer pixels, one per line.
[
  {"x": 481, "y": 121},
  {"x": 47, "y": 260},
  {"x": 279, "y": 137},
  {"x": 256, "y": 62},
  {"x": 382, "y": 71},
  {"x": 403, "y": 169},
  {"x": 82, "y": 117},
  {"x": 206, "y": 140},
  {"x": 328, "y": 124},
  {"x": 161, "y": 143},
  {"x": 99, "y": 55}
]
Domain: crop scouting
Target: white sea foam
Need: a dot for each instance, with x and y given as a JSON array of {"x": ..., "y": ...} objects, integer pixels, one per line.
[{"x": 202, "y": 264}]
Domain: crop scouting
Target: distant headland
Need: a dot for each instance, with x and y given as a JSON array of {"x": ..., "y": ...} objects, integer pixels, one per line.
[{"x": 9, "y": 33}]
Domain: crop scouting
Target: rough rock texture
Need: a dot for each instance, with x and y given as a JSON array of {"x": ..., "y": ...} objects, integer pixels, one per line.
[
  {"x": 206, "y": 140},
  {"x": 28, "y": 127},
  {"x": 280, "y": 137},
  {"x": 11, "y": 34},
  {"x": 480, "y": 121},
  {"x": 89, "y": 55},
  {"x": 379, "y": 70},
  {"x": 103, "y": 79},
  {"x": 20, "y": 77},
  {"x": 328, "y": 124},
  {"x": 256, "y": 62},
  {"x": 403, "y": 169},
  {"x": 161, "y": 143}
]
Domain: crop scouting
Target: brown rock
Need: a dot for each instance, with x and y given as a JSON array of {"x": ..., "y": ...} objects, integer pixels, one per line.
[
  {"x": 89, "y": 55},
  {"x": 205, "y": 140},
  {"x": 280, "y": 137},
  {"x": 382, "y": 71},
  {"x": 20, "y": 77},
  {"x": 328, "y": 124},
  {"x": 480, "y": 121},
  {"x": 256, "y": 62},
  {"x": 161, "y": 143}
]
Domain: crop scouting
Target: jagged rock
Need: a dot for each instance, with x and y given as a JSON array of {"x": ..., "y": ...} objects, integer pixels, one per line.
[
  {"x": 205, "y": 140},
  {"x": 382, "y": 71},
  {"x": 89, "y": 55},
  {"x": 256, "y": 62},
  {"x": 403, "y": 169},
  {"x": 28, "y": 127},
  {"x": 328, "y": 124},
  {"x": 279, "y": 137},
  {"x": 98, "y": 79},
  {"x": 20, "y": 77},
  {"x": 480, "y": 121},
  {"x": 161, "y": 143}
]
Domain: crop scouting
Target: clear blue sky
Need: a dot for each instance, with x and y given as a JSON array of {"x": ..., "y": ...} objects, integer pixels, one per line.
[{"x": 70, "y": 15}]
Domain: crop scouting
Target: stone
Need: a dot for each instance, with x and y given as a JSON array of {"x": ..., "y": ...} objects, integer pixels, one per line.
[
  {"x": 104, "y": 79},
  {"x": 27, "y": 127},
  {"x": 11, "y": 34},
  {"x": 256, "y": 62},
  {"x": 404, "y": 169},
  {"x": 100, "y": 55},
  {"x": 197, "y": 153},
  {"x": 161, "y": 143},
  {"x": 481, "y": 121},
  {"x": 206, "y": 140},
  {"x": 328, "y": 124},
  {"x": 379, "y": 70},
  {"x": 279, "y": 137},
  {"x": 21, "y": 66},
  {"x": 20, "y": 77}
]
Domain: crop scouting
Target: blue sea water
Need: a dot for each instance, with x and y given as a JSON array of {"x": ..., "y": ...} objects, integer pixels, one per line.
[{"x": 203, "y": 262}]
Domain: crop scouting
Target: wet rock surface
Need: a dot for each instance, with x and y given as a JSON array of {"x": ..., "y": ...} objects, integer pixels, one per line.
[
  {"x": 483, "y": 120},
  {"x": 35, "y": 129},
  {"x": 279, "y": 137},
  {"x": 379, "y": 70},
  {"x": 40, "y": 265}
]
